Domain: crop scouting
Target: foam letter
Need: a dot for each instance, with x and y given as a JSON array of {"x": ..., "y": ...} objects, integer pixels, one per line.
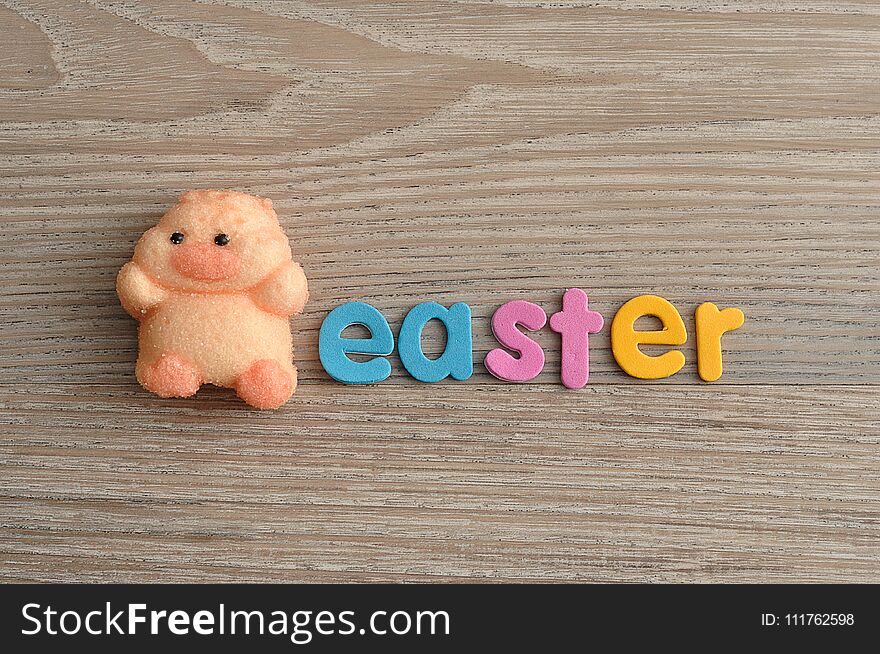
[
  {"x": 625, "y": 340},
  {"x": 711, "y": 324},
  {"x": 332, "y": 346},
  {"x": 501, "y": 363},
  {"x": 457, "y": 359},
  {"x": 575, "y": 323}
]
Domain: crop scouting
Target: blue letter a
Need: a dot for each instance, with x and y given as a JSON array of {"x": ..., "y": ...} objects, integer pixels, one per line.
[{"x": 457, "y": 360}]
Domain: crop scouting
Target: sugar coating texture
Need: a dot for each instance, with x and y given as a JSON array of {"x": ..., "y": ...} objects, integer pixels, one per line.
[{"x": 213, "y": 286}]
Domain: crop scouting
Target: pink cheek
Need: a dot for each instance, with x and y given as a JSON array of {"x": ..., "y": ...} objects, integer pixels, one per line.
[{"x": 205, "y": 262}]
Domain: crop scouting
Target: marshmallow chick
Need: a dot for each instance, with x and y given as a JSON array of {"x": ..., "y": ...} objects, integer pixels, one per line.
[{"x": 213, "y": 286}]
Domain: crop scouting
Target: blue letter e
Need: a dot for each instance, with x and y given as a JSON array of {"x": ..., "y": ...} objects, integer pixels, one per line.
[
  {"x": 457, "y": 359},
  {"x": 332, "y": 346}
]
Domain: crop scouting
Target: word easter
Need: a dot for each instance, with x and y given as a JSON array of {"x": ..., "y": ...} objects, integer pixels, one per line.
[{"x": 574, "y": 323}]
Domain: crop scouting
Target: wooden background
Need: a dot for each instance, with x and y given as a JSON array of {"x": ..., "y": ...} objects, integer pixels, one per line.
[{"x": 451, "y": 151}]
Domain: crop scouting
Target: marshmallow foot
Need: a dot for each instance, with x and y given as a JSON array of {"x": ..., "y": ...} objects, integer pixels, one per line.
[
  {"x": 266, "y": 384},
  {"x": 170, "y": 376}
]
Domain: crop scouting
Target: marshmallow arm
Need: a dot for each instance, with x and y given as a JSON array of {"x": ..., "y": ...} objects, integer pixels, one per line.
[
  {"x": 137, "y": 292},
  {"x": 285, "y": 292}
]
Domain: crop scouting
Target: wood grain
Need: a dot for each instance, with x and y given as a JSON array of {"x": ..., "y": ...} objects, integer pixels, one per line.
[{"x": 453, "y": 151}]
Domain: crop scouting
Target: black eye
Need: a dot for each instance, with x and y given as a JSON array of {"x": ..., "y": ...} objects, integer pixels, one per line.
[
  {"x": 221, "y": 239},
  {"x": 177, "y": 238}
]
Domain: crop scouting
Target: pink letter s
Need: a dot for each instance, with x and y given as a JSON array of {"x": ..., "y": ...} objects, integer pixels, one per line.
[{"x": 504, "y": 365}]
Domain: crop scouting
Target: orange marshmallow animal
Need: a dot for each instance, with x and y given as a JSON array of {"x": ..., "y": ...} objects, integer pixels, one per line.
[{"x": 213, "y": 285}]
